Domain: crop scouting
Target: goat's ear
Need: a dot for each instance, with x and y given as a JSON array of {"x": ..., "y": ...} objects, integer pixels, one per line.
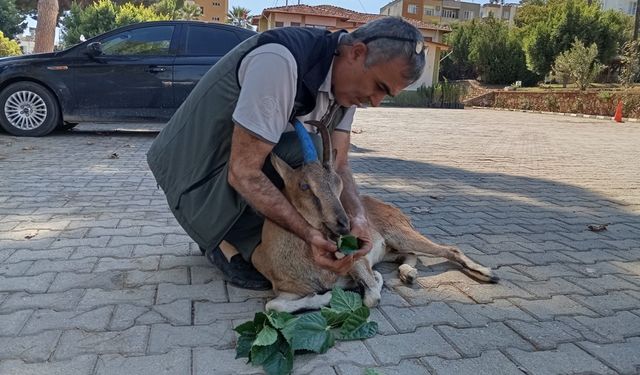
[{"x": 281, "y": 166}]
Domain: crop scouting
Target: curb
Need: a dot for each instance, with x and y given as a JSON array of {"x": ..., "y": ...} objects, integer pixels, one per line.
[{"x": 599, "y": 117}]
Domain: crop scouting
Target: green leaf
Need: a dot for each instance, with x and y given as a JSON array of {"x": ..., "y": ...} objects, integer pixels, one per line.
[
  {"x": 259, "y": 321},
  {"x": 279, "y": 363},
  {"x": 266, "y": 337},
  {"x": 279, "y": 319},
  {"x": 342, "y": 301},
  {"x": 356, "y": 326},
  {"x": 366, "y": 330},
  {"x": 246, "y": 328},
  {"x": 243, "y": 346},
  {"x": 348, "y": 244},
  {"x": 334, "y": 318},
  {"x": 309, "y": 332},
  {"x": 261, "y": 354}
]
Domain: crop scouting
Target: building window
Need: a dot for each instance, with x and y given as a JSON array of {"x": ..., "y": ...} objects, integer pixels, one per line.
[
  {"x": 467, "y": 15},
  {"x": 412, "y": 8},
  {"x": 505, "y": 14},
  {"x": 216, "y": 4},
  {"x": 201, "y": 10},
  {"x": 449, "y": 13},
  {"x": 632, "y": 8},
  {"x": 215, "y": 18},
  {"x": 279, "y": 24},
  {"x": 295, "y": 23},
  {"x": 316, "y": 26},
  {"x": 429, "y": 11}
]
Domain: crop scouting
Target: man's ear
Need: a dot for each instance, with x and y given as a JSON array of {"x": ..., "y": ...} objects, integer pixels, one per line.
[
  {"x": 281, "y": 166},
  {"x": 359, "y": 50}
]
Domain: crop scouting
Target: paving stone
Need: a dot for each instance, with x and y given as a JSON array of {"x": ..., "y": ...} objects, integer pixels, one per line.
[
  {"x": 142, "y": 264},
  {"x": 97, "y": 297},
  {"x": 481, "y": 314},
  {"x": 343, "y": 352},
  {"x": 209, "y": 312},
  {"x": 97, "y": 242},
  {"x": 420, "y": 296},
  {"x": 545, "y": 335},
  {"x": 150, "y": 317},
  {"x": 599, "y": 269},
  {"x": 213, "y": 291},
  {"x": 424, "y": 341},
  {"x": 542, "y": 259},
  {"x": 205, "y": 360},
  {"x": 546, "y": 272},
  {"x": 52, "y": 301},
  {"x": 174, "y": 362},
  {"x": 384, "y": 326},
  {"x": 623, "y": 357},
  {"x": 567, "y": 359},
  {"x": 592, "y": 256},
  {"x": 42, "y": 320},
  {"x": 171, "y": 261},
  {"x": 498, "y": 260},
  {"x": 35, "y": 348},
  {"x": 108, "y": 280},
  {"x": 80, "y": 365},
  {"x": 603, "y": 284},
  {"x": 12, "y": 323},
  {"x": 485, "y": 293},
  {"x": 407, "y": 319},
  {"x": 146, "y": 240},
  {"x": 490, "y": 362},
  {"x": 146, "y": 250},
  {"x": 77, "y": 265},
  {"x": 555, "y": 306},
  {"x": 128, "y": 342},
  {"x": 473, "y": 341},
  {"x": 165, "y": 337},
  {"x": 507, "y": 273},
  {"x": 391, "y": 298},
  {"x": 177, "y": 313},
  {"x": 174, "y": 276},
  {"x": 608, "y": 304},
  {"x": 615, "y": 328},
  {"x": 32, "y": 244},
  {"x": 406, "y": 367},
  {"x": 633, "y": 267},
  {"x": 125, "y": 315},
  {"x": 31, "y": 284},
  {"x": 241, "y": 295},
  {"x": 109, "y": 252},
  {"x": 21, "y": 255},
  {"x": 128, "y": 231},
  {"x": 15, "y": 269},
  {"x": 551, "y": 287},
  {"x": 205, "y": 274}
]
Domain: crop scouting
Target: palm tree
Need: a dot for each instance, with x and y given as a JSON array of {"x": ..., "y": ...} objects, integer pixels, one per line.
[
  {"x": 239, "y": 16},
  {"x": 46, "y": 26}
]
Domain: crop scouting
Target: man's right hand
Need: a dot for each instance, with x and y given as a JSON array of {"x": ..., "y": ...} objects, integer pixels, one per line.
[{"x": 323, "y": 252}]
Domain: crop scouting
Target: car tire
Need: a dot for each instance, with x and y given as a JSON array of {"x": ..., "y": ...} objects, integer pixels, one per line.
[{"x": 28, "y": 109}]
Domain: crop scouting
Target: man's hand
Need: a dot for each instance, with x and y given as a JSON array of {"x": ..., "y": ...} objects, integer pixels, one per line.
[
  {"x": 323, "y": 252},
  {"x": 360, "y": 228}
]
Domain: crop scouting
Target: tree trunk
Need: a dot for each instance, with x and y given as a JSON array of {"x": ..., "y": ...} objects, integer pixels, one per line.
[
  {"x": 46, "y": 26},
  {"x": 637, "y": 23}
]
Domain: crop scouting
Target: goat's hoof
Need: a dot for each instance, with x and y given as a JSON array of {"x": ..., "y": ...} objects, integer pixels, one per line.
[
  {"x": 408, "y": 274},
  {"x": 371, "y": 299}
]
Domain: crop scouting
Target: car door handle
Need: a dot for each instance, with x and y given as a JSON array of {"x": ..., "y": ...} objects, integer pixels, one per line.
[{"x": 156, "y": 69}]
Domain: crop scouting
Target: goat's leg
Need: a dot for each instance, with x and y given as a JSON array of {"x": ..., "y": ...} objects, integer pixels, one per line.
[
  {"x": 289, "y": 302},
  {"x": 407, "y": 270},
  {"x": 371, "y": 281},
  {"x": 400, "y": 235}
]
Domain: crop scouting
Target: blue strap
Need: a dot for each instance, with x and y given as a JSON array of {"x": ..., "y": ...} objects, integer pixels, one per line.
[{"x": 308, "y": 148}]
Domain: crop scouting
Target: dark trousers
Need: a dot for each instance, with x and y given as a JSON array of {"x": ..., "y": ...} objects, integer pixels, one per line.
[{"x": 246, "y": 233}]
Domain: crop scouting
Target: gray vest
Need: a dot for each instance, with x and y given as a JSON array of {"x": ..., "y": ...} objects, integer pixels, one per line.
[{"x": 189, "y": 158}]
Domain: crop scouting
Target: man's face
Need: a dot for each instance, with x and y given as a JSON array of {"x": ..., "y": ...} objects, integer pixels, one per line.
[{"x": 355, "y": 84}]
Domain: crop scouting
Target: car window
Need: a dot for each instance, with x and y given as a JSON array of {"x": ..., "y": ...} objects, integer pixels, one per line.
[
  {"x": 153, "y": 40},
  {"x": 210, "y": 41}
]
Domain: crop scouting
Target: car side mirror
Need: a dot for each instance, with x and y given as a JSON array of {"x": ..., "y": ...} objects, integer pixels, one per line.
[{"x": 94, "y": 49}]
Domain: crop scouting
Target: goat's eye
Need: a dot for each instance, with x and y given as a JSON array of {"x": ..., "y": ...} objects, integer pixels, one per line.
[{"x": 304, "y": 186}]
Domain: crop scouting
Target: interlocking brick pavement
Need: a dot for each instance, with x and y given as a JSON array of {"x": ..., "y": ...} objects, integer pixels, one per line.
[{"x": 96, "y": 277}]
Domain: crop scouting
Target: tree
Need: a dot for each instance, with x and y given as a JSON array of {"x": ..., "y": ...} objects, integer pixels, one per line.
[
  {"x": 630, "y": 63},
  {"x": 177, "y": 9},
  {"x": 239, "y": 16},
  {"x": 582, "y": 63},
  {"x": 8, "y": 47},
  {"x": 11, "y": 21},
  {"x": 457, "y": 64},
  {"x": 46, "y": 26}
]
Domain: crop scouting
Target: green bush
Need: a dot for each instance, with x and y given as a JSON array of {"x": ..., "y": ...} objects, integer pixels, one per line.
[
  {"x": 9, "y": 47},
  {"x": 441, "y": 95}
]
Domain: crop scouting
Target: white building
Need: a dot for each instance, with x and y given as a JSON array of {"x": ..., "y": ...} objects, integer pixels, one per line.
[{"x": 624, "y": 6}]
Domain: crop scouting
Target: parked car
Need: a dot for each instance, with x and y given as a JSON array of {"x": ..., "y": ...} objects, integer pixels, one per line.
[{"x": 140, "y": 72}]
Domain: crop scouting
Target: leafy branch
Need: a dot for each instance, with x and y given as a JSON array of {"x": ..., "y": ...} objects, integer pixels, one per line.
[{"x": 273, "y": 338}]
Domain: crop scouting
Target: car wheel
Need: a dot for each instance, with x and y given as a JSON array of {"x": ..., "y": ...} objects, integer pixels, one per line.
[{"x": 28, "y": 109}]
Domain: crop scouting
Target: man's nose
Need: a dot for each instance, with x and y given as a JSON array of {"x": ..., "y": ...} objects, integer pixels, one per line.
[{"x": 376, "y": 99}]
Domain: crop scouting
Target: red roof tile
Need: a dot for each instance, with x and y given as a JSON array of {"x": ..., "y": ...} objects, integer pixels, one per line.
[{"x": 347, "y": 15}]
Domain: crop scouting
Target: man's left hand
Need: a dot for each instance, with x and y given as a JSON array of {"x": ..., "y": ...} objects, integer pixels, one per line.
[{"x": 360, "y": 229}]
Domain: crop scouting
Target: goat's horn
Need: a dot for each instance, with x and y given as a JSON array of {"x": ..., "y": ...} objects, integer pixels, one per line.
[
  {"x": 308, "y": 148},
  {"x": 326, "y": 142}
]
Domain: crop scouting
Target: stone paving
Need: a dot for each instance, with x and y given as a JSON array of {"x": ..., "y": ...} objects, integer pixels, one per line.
[{"x": 96, "y": 277}]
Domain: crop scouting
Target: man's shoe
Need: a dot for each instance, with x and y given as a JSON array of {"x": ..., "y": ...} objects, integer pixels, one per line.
[{"x": 237, "y": 271}]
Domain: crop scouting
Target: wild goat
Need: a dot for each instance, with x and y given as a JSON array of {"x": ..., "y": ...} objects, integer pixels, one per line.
[{"x": 286, "y": 260}]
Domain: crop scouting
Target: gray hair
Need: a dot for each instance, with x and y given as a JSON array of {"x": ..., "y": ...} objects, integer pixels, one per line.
[{"x": 383, "y": 48}]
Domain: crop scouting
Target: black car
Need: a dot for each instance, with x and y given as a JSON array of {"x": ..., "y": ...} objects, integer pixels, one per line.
[{"x": 140, "y": 72}]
